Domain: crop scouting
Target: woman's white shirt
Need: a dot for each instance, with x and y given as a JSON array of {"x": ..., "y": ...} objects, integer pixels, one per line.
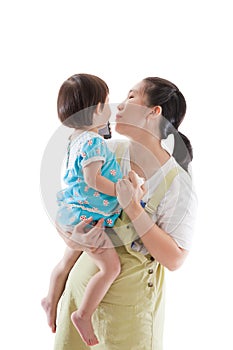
[{"x": 176, "y": 213}]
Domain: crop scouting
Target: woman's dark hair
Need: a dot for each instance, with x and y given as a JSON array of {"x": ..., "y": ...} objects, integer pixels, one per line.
[
  {"x": 78, "y": 97},
  {"x": 163, "y": 93}
]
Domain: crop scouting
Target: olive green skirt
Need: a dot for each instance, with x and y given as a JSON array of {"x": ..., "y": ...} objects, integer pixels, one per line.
[{"x": 131, "y": 315}]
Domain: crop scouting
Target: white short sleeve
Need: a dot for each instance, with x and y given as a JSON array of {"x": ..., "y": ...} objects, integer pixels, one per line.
[{"x": 176, "y": 213}]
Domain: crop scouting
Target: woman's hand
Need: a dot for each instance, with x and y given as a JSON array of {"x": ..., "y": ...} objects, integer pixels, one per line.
[
  {"x": 129, "y": 190},
  {"x": 93, "y": 241}
]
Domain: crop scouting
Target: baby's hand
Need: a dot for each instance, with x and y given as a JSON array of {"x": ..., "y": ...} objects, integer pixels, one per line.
[
  {"x": 140, "y": 180},
  {"x": 129, "y": 190}
]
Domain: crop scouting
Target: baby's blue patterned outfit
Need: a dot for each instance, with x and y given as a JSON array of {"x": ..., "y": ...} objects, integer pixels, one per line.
[{"x": 78, "y": 201}]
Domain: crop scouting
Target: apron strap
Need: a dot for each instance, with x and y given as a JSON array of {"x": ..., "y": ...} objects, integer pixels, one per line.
[
  {"x": 161, "y": 190},
  {"x": 120, "y": 150}
]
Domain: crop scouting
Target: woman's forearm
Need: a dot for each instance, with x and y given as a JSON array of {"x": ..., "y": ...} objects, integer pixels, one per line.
[{"x": 159, "y": 244}]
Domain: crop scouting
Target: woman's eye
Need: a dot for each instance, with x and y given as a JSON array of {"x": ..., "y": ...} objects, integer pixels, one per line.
[{"x": 130, "y": 96}]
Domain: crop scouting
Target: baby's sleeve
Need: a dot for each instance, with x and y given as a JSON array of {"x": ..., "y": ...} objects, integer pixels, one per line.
[{"x": 94, "y": 149}]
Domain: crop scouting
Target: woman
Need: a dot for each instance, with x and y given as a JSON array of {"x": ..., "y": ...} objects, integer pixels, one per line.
[{"x": 131, "y": 314}]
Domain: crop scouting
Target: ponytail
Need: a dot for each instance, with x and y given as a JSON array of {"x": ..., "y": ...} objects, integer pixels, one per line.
[
  {"x": 183, "y": 151},
  {"x": 161, "y": 92}
]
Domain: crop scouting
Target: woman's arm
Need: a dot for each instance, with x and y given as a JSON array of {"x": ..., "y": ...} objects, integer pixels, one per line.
[
  {"x": 93, "y": 178},
  {"x": 159, "y": 243}
]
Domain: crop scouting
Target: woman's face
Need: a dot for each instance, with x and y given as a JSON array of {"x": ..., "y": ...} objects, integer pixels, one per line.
[{"x": 132, "y": 111}]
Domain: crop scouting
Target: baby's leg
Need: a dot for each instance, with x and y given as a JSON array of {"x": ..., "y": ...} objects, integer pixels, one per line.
[
  {"x": 109, "y": 268},
  {"x": 57, "y": 284}
]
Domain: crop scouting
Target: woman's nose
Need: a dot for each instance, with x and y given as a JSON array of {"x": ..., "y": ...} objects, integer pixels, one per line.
[{"x": 120, "y": 106}]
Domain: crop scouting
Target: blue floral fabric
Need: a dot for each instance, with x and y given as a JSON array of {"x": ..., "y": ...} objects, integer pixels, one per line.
[{"x": 78, "y": 201}]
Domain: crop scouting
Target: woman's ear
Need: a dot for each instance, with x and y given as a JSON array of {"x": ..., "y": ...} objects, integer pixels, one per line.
[{"x": 156, "y": 111}]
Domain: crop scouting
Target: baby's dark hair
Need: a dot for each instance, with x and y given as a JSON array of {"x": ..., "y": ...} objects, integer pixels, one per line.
[
  {"x": 163, "y": 93},
  {"x": 78, "y": 97}
]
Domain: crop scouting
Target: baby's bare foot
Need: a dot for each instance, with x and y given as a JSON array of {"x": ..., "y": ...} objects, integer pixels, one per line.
[
  {"x": 51, "y": 313},
  {"x": 85, "y": 329}
]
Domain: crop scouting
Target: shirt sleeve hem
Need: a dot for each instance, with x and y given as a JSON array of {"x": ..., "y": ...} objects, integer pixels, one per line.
[{"x": 91, "y": 160}]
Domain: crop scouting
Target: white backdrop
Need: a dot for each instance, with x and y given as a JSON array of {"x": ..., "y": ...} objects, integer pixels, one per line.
[{"x": 42, "y": 44}]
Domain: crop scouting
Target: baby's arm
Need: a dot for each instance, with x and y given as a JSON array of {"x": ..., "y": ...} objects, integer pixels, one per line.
[{"x": 93, "y": 178}]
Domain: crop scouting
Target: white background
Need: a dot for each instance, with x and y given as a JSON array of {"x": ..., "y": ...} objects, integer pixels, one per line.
[{"x": 42, "y": 44}]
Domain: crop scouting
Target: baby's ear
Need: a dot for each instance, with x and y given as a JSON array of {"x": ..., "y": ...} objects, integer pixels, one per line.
[{"x": 99, "y": 108}]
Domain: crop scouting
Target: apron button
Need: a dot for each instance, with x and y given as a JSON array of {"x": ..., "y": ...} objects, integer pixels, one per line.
[
  {"x": 150, "y": 271},
  {"x": 150, "y": 284}
]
